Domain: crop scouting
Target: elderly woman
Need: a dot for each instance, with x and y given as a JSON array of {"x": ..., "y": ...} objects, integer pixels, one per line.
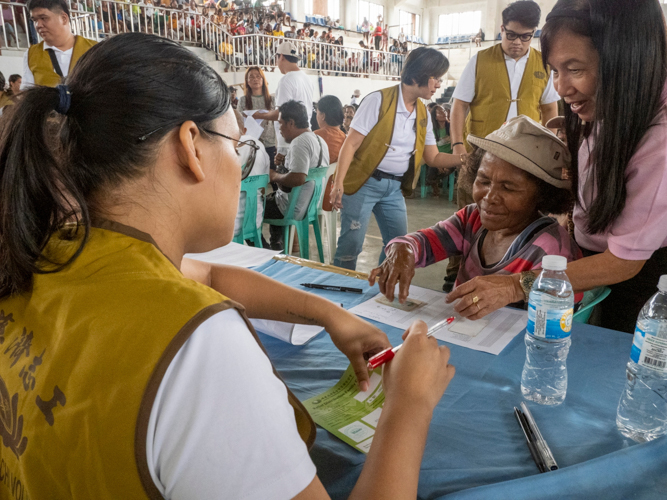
[{"x": 516, "y": 175}]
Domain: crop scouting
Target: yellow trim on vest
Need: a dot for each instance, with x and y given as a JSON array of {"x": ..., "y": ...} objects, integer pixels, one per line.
[
  {"x": 493, "y": 95},
  {"x": 40, "y": 64},
  {"x": 373, "y": 148},
  {"x": 86, "y": 351}
]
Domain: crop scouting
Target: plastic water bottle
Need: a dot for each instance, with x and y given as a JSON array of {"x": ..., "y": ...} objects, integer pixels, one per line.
[
  {"x": 550, "y": 307},
  {"x": 642, "y": 411}
]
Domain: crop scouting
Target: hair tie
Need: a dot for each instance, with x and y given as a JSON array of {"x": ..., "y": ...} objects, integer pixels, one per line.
[
  {"x": 576, "y": 14},
  {"x": 65, "y": 99}
]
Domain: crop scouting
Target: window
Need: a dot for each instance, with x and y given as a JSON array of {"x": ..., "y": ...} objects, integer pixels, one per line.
[
  {"x": 409, "y": 22},
  {"x": 333, "y": 9},
  {"x": 460, "y": 23},
  {"x": 370, "y": 11}
]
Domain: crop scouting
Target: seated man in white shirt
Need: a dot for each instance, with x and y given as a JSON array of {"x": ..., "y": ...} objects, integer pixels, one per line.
[
  {"x": 306, "y": 151},
  {"x": 260, "y": 167}
]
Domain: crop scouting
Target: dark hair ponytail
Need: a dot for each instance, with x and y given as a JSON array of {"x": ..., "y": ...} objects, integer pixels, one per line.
[
  {"x": 630, "y": 38},
  {"x": 36, "y": 197},
  {"x": 127, "y": 93}
]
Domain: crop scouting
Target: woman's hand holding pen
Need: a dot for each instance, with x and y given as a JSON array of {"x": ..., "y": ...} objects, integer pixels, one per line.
[{"x": 419, "y": 373}]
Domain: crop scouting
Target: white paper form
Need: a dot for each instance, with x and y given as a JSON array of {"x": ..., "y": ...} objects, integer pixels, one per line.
[
  {"x": 490, "y": 334},
  {"x": 288, "y": 332},
  {"x": 253, "y": 126},
  {"x": 235, "y": 254}
]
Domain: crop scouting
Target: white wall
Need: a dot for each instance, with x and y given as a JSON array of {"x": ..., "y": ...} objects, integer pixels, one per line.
[{"x": 11, "y": 62}]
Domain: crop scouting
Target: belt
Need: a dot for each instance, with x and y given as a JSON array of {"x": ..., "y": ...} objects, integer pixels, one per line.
[{"x": 379, "y": 174}]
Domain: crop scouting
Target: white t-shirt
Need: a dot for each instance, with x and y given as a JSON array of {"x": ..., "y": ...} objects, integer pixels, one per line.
[
  {"x": 260, "y": 167},
  {"x": 221, "y": 425},
  {"x": 397, "y": 159},
  {"x": 465, "y": 90},
  {"x": 303, "y": 154},
  {"x": 293, "y": 86},
  {"x": 63, "y": 57}
]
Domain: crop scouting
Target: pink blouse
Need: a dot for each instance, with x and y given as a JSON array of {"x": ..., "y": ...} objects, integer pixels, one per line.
[{"x": 641, "y": 229}]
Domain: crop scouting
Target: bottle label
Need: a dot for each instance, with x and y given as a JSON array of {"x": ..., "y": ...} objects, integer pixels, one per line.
[
  {"x": 546, "y": 317},
  {"x": 649, "y": 349}
]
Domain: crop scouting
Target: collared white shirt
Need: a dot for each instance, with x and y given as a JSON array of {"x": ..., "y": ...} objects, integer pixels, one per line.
[
  {"x": 397, "y": 159},
  {"x": 64, "y": 58},
  {"x": 465, "y": 90}
]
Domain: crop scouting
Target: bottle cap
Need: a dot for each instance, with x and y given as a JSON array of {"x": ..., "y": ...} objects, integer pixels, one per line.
[
  {"x": 554, "y": 263},
  {"x": 662, "y": 284}
]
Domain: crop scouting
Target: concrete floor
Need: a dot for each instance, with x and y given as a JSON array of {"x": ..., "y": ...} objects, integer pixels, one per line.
[{"x": 422, "y": 212}]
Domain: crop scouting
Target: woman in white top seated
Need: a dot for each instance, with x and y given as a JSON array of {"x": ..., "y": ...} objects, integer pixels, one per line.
[{"x": 145, "y": 383}]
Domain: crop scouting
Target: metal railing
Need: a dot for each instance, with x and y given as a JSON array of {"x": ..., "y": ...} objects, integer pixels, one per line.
[
  {"x": 188, "y": 26},
  {"x": 337, "y": 60}
]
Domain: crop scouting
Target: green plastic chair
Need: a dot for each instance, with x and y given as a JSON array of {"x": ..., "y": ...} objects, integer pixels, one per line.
[
  {"x": 590, "y": 300},
  {"x": 249, "y": 229},
  {"x": 318, "y": 176}
]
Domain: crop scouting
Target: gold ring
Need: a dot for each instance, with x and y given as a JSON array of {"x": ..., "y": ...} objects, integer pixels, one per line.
[{"x": 475, "y": 299}]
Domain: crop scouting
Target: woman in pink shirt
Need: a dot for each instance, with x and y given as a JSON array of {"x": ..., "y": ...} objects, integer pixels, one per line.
[{"x": 609, "y": 59}]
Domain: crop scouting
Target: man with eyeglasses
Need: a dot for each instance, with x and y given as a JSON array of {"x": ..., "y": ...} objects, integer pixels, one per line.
[{"x": 499, "y": 83}]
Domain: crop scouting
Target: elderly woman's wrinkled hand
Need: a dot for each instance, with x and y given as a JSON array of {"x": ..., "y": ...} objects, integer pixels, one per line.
[
  {"x": 399, "y": 266},
  {"x": 484, "y": 294}
]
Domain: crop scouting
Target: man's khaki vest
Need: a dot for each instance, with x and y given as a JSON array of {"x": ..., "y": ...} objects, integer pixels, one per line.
[
  {"x": 83, "y": 355},
  {"x": 493, "y": 95},
  {"x": 42, "y": 68},
  {"x": 374, "y": 146}
]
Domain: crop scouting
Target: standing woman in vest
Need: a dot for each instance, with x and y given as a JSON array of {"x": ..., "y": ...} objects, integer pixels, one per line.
[
  {"x": 379, "y": 162},
  {"x": 497, "y": 84},
  {"x": 51, "y": 60},
  {"x": 619, "y": 166},
  {"x": 122, "y": 378}
]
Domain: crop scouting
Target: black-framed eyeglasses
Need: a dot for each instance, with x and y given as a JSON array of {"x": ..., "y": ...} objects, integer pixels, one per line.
[
  {"x": 524, "y": 37},
  {"x": 246, "y": 168}
]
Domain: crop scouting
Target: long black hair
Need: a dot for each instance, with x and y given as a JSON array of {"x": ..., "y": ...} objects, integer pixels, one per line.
[
  {"x": 436, "y": 126},
  {"x": 629, "y": 36},
  {"x": 123, "y": 96}
]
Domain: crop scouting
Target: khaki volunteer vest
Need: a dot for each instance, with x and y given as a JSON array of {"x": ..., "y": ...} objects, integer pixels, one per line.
[
  {"x": 5, "y": 100},
  {"x": 83, "y": 355},
  {"x": 374, "y": 146},
  {"x": 40, "y": 64},
  {"x": 493, "y": 95}
]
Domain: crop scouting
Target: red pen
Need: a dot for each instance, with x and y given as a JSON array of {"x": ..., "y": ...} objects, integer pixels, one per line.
[{"x": 388, "y": 354}]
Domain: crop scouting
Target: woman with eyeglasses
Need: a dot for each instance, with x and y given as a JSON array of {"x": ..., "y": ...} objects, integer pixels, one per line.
[
  {"x": 257, "y": 96},
  {"x": 122, "y": 376},
  {"x": 380, "y": 159},
  {"x": 616, "y": 123}
]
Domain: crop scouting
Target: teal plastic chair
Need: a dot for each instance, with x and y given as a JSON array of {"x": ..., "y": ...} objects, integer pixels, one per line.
[
  {"x": 448, "y": 181},
  {"x": 318, "y": 176},
  {"x": 590, "y": 300},
  {"x": 249, "y": 229}
]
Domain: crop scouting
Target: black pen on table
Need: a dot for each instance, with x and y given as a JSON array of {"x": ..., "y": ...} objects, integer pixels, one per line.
[
  {"x": 542, "y": 446},
  {"x": 532, "y": 447},
  {"x": 333, "y": 288}
]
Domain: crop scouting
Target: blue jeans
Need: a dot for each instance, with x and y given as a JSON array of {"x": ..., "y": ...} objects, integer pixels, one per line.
[{"x": 383, "y": 198}]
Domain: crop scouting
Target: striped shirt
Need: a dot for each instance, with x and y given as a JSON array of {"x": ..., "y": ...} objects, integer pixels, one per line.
[{"x": 463, "y": 234}]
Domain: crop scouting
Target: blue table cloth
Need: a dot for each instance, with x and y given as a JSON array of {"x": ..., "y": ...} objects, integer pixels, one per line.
[{"x": 475, "y": 448}]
